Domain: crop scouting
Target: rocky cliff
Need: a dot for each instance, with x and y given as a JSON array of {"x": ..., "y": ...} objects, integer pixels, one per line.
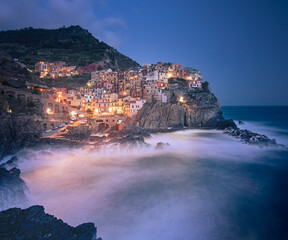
[
  {"x": 159, "y": 115},
  {"x": 73, "y": 44},
  {"x": 34, "y": 223},
  {"x": 199, "y": 109}
]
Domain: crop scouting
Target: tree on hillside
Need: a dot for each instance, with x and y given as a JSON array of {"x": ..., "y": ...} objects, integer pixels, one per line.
[
  {"x": 3, "y": 105},
  {"x": 205, "y": 86}
]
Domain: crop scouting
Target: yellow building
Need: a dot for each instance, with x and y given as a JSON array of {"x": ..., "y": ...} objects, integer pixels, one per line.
[
  {"x": 111, "y": 97},
  {"x": 118, "y": 106}
]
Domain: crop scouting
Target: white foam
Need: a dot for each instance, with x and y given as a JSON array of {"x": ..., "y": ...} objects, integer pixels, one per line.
[{"x": 142, "y": 193}]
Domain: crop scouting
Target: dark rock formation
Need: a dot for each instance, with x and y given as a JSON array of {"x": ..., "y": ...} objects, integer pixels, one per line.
[
  {"x": 240, "y": 122},
  {"x": 34, "y": 223},
  {"x": 250, "y": 137},
  {"x": 159, "y": 115},
  {"x": 226, "y": 124},
  {"x": 12, "y": 189},
  {"x": 161, "y": 145},
  {"x": 128, "y": 139},
  {"x": 131, "y": 136},
  {"x": 129, "y": 130}
]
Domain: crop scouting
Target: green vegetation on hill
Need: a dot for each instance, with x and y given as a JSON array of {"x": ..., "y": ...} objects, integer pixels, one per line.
[
  {"x": 15, "y": 74},
  {"x": 73, "y": 44}
]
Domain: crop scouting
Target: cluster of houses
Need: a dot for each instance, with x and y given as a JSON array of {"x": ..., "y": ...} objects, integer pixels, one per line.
[
  {"x": 55, "y": 69},
  {"x": 97, "y": 104},
  {"x": 60, "y": 69},
  {"x": 124, "y": 93}
]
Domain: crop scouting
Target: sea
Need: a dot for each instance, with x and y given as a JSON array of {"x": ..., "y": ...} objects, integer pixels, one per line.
[{"x": 204, "y": 185}]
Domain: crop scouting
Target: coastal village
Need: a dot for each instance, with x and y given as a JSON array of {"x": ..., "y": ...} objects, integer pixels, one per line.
[
  {"x": 94, "y": 144},
  {"x": 101, "y": 90},
  {"x": 111, "y": 93}
]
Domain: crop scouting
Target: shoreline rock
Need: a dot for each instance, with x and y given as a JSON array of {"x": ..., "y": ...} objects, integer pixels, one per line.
[
  {"x": 241, "y": 122},
  {"x": 227, "y": 123},
  {"x": 34, "y": 223},
  {"x": 161, "y": 145},
  {"x": 129, "y": 129},
  {"x": 252, "y": 138},
  {"x": 131, "y": 136}
]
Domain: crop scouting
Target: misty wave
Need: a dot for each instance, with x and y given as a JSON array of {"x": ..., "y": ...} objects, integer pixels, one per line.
[{"x": 201, "y": 186}]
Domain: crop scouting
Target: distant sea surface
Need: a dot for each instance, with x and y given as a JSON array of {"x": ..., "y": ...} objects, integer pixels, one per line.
[
  {"x": 204, "y": 186},
  {"x": 272, "y": 120},
  {"x": 275, "y": 116}
]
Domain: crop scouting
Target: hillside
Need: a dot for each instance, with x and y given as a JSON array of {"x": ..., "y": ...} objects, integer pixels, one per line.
[
  {"x": 73, "y": 44},
  {"x": 14, "y": 74}
]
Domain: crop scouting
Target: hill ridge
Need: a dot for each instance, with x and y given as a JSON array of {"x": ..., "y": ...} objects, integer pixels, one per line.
[{"x": 74, "y": 45}]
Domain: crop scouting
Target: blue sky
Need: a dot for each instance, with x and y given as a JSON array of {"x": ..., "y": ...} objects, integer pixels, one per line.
[{"x": 240, "y": 46}]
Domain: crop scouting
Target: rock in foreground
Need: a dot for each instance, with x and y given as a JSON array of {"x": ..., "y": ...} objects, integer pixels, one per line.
[{"x": 34, "y": 223}]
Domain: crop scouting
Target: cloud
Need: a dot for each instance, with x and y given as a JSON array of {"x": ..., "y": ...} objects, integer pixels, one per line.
[
  {"x": 15, "y": 14},
  {"x": 112, "y": 21}
]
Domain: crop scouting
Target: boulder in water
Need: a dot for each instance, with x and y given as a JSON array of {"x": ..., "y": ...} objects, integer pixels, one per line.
[{"x": 161, "y": 145}]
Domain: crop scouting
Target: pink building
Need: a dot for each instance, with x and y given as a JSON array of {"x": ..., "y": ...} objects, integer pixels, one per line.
[
  {"x": 135, "y": 106},
  {"x": 90, "y": 68}
]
